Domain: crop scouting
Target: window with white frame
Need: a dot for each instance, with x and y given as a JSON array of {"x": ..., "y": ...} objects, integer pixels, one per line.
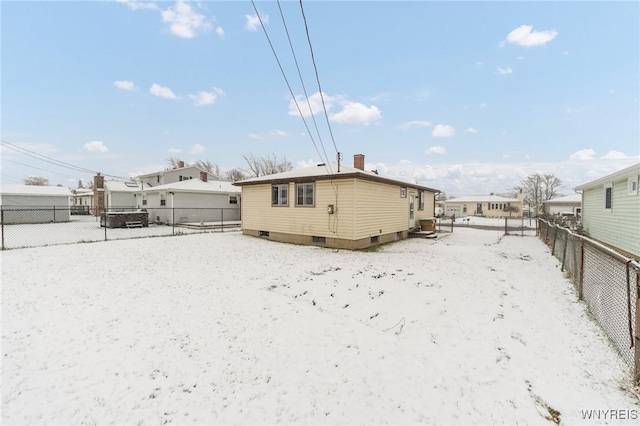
[
  {"x": 403, "y": 192},
  {"x": 608, "y": 196},
  {"x": 280, "y": 195},
  {"x": 305, "y": 194},
  {"x": 632, "y": 185}
]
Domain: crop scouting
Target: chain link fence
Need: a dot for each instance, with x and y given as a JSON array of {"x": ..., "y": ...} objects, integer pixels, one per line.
[
  {"x": 44, "y": 226},
  {"x": 607, "y": 281}
]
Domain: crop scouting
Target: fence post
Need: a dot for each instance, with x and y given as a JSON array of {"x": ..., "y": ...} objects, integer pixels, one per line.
[
  {"x": 452, "y": 219},
  {"x": 581, "y": 282},
  {"x": 637, "y": 334},
  {"x": 555, "y": 237},
  {"x": 104, "y": 211},
  {"x": 222, "y": 220},
  {"x": 54, "y": 214},
  {"x": 564, "y": 252},
  {"x": 505, "y": 226},
  {"x": 2, "y": 224},
  {"x": 173, "y": 220}
]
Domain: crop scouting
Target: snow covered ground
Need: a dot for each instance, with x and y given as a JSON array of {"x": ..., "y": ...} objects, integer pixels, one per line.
[{"x": 469, "y": 328}]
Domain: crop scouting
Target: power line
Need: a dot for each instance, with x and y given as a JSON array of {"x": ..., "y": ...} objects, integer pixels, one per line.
[
  {"x": 38, "y": 168},
  {"x": 53, "y": 161},
  {"x": 304, "y": 88},
  {"x": 287, "y": 81},
  {"x": 313, "y": 59}
]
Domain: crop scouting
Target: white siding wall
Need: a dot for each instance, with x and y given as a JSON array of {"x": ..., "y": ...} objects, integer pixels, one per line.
[
  {"x": 44, "y": 209},
  {"x": 619, "y": 226}
]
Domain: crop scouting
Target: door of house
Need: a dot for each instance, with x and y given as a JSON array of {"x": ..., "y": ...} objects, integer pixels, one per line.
[
  {"x": 412, "y": 213},
  {"x": 479, "y": 209}
]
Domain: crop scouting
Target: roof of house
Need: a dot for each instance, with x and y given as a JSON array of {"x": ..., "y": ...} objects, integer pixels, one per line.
[
  {"x": 621, "y": 174},
  {"x": 162, "y": 172},
  {"x": 327, "y": 172},
  {"x": 36, "y": 190},
  {"x": 117, "y": 186},
  {"x": 482, "y": 199},
  {"x": 196, "y": 185},
  {"x": 80, "y": 192},
  {"x": 568, "y": 199}
]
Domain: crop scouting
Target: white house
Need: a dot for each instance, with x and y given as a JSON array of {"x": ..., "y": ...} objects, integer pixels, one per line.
[
  {"x": 82, "y": 201},
  {"x": 485, "y": 205},
  {"x": 611, "y": 210},
  {"x": 191, "y": 200},
  {"x": 567, "y": 204},
  {"x": 121, "y": 195},
  {"x": 179, "y": 174},
  {"x": 35, "y": 204}
]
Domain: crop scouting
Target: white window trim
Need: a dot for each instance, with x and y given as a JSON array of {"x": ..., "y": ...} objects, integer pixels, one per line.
[
  {"x": 278, "y": 204},
  {"x": 313, "y": 193},
  {"x": 632, "y": 181},
  {"x": 604, "y": 196}
]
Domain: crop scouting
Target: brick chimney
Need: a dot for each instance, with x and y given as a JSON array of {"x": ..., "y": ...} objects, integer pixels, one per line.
[
  {"x": 203, "y": 176},
  {"x": 358, "y": 161},
  {"x": 180, "y": 164}
]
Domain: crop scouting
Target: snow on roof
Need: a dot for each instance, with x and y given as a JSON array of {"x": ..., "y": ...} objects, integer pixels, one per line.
[
  {"x": 196, "y": 185},
  {"x": 621, "y": 174},
  {"x": 162, "y": 172},
  {"x": 116, "y": 186},
  {"x": 37, "y": 190},
  {"x": 326, "y": 171},
  {"x": 568, "y": 199},
  {"x": 482, "y": 199}
]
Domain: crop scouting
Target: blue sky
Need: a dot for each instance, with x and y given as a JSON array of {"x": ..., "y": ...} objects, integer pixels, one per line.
[{"x": 466, "y": 97}]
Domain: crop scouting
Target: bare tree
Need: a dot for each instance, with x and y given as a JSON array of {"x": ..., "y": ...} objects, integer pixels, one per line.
[
  {"x": 267, "y": 165},
  {"x": 208, "y": 167},
  {"x": 539, "y": 188},
  {"x": 234, "y": 175},
  {"x": 36, "y": 180},
  {"x": 510, "y": 209},
  {"x": 173, "y": 161}
]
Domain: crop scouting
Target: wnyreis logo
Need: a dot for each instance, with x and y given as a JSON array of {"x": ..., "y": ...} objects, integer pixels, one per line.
[{"x": 632, "y": 414}]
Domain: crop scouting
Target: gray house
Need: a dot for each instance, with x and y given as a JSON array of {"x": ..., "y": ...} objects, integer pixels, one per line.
[
  {"x": 611, "y": 210},
  {"x": 563, "y": 205},
  {"x": 35, "y": 204},
  {"x": 191, "y": 201}
]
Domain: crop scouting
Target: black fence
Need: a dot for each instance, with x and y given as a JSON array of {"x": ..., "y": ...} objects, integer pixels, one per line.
[
  {"x": 607, "y": 281},
  {"x": 43, "y": 226}
]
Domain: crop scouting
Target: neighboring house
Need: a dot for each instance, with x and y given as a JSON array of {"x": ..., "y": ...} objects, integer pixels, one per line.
[
  {"x": 35, "y": 204},
  {"x": 611, "y": 210},
  {"x": 82, "y": 201},
  {"x": 191, "y": 200},
  {"x": 484, "y": 205},
  {"x": 120, "y": 196},
  {"x": 178, "y": 174},
  {"x": 333, "y": 206},
  {"x": 564, "y": 205}
]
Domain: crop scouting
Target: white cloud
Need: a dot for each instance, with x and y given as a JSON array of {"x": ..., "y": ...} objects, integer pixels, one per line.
[
  {"x": 174, "y": 151},
  {"x": 138, "y": 5},
  {"x": 253, "y": 22},
  {"x": 565, "y": 53},
  {"x": 478, "y": 64},
  {"x": 524, "y": 36},
  {"x": 614, "y": 155},
  {"x": 162, "y": 92},
  {"x": 95, "y": 146},
  {"x": 583, "y": 154},
  {"x": 484, "y": 105},
  {"x": 520, "y": 58},
  {"x": 184, "y": 21},
  {"x": 414, "y": 124},
  {"x": 315, "y": 101},
  {"x": 278, "y": 132},
  {"x": 206, "y": 98},
  {"x": 503, "y": 71},
  {"x": 471, "y": 130},
  {"x": 197, "y": 149},
  {"x": 254, "y": 136},
  {"x": 443, "y": 131},
  {"x": 220, "y": 32},
  {"x": 357, "y": 113},
  {"x": 441, "y": 150},
  {"x": 125, "y": 85},
  {"x": 610, "y": 91}
]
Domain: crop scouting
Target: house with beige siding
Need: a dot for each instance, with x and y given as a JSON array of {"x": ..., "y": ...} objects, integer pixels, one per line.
[
  {"x": 484, "y": 205},
  {"x": 333, "y": 205},
  {"x": 611, "y": 210}
]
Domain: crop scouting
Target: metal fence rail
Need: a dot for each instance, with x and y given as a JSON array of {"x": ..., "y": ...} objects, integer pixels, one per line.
[
  {"x": 607, "y": 281},
  {"x": 43, "y": 226}
]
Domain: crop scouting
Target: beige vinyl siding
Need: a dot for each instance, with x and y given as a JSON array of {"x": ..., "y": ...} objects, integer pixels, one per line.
[
  {"x": 618, "y": 227},
  {"x": 429, "y": 206},
  {"x": 380, "y": 209},
  {"x": 258, "y": 213}
]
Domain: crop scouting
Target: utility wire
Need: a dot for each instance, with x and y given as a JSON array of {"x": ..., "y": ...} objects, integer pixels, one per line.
[
  {"x": 53, "y": 161},
  {"x": 287, "y": 81},
  {"x": 313, "y": 59},
  {"x": 38, "y": 168},
  {"x": 304, "y": 88}
]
